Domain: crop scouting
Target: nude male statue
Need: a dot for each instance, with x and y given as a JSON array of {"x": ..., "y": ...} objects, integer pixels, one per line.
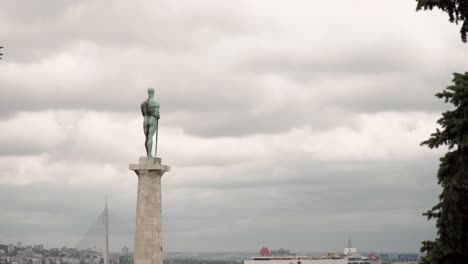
[{"x": 150, "y": 112}]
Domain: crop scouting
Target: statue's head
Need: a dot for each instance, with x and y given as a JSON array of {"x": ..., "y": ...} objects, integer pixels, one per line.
[{"x": 150, "y": 91}]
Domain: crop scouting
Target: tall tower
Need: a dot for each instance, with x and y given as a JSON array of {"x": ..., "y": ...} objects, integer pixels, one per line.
[
  {"x": 148, "y": 232},
  {"x": 350, "y": 250},
  {"x": 106, "y": 235}
]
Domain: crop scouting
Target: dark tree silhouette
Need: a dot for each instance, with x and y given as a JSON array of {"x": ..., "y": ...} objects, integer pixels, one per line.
[
  {"x": 451, "y": 212},
  {"x": 456, "y": 9}
]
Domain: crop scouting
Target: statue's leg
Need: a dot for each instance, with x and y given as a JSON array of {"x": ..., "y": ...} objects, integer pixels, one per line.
[
  {"x": 146, "y": 131},
  {"x": 151, "y": 130}
]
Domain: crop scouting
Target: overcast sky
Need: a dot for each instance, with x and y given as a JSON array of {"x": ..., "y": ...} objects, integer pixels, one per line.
[{"x": 287, "y": 123}]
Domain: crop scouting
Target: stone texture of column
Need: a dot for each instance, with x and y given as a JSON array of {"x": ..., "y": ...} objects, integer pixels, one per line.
[{"x": 148, "y": 232}]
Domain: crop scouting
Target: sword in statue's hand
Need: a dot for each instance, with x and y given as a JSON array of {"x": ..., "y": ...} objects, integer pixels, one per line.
[{"x": 156, "y": 145}]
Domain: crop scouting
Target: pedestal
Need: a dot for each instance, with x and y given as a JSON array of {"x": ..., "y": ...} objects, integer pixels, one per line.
[{"x": 148, "y": 233}]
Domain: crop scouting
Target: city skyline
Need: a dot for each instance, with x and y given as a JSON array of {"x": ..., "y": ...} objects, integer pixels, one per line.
[
  {"x": 286, "y": 125},
  {"x": 125, "y": 250}
]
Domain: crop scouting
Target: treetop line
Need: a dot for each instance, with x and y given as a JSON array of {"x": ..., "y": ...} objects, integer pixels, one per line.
[{"x": 457, "y": 11}]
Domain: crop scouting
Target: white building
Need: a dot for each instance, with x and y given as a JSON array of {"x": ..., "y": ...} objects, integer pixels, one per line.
[
  {"x": 36, "y": 261},
  {"x": 15, "y": 260},
  {"x": 74, "y": 261},
  {"x": 353, "y": 257},
  {"x": 11, "y": 248},
  {"x": 293, "y": 260}
]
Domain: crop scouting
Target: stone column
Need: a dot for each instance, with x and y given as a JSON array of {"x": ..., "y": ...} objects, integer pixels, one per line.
[{"x": 148, "y": 232}]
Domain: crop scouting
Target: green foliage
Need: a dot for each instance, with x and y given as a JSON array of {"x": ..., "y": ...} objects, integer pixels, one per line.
[
  {"x": 451, "y": 213},
  {"x": 125, "y": 260},
  {"x": 456, "y": 9}
]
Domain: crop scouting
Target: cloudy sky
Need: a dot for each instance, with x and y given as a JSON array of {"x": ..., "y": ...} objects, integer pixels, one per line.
[{"x": 286, "y": 123}]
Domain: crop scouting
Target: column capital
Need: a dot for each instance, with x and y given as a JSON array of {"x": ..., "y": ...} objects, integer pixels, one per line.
[{"x": 150, "y": 164}]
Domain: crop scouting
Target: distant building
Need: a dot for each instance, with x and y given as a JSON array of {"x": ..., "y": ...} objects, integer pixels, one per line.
[
  {"x": 39, "y": 247},
  {"x": 281, "y": 252},
  {"x": 294, "y": 260},
  {"x": 73, "y": 261},
  {"x": 11, "y": 248},
  {"x": 331, "y": 255},
  {"x": 29, "y": 252},
  {"x": 408, "y": 257},
  {"x": 15, "y": 260},
  {"x": 348, "y": 251},
  {"x": 97, "y": 260},
  {"x": 19, "y": 244},
  {"x": 351, "y": 256}
]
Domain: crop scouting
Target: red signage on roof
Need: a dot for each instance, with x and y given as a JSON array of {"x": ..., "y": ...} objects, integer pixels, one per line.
[
  {"x": 264, "y": 252},
  {"x": 374, "y": 257}
]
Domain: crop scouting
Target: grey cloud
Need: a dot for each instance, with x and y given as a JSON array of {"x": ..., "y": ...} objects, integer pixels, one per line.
[
  {"x": 243, "y": 122},
  {"x": 303, "y": 198},
  {"x": 18, "y": 150},
  {"x": 29, "y": 12},
  {"x": 53, "y": 26},
  {"x": 233, "y": 79},
  {"x": 210, "y": 82},
  {"x": 210, "y": 210}
]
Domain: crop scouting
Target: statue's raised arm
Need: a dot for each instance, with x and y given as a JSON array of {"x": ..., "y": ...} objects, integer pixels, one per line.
[{"x": 150, "y": 111}]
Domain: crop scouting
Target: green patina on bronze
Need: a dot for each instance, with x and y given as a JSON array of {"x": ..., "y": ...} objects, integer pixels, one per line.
[{"x": 150, "y": 112}]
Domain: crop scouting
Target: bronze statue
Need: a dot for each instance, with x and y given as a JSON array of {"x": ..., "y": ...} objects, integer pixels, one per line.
[{"x": 150, "y": 112}]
